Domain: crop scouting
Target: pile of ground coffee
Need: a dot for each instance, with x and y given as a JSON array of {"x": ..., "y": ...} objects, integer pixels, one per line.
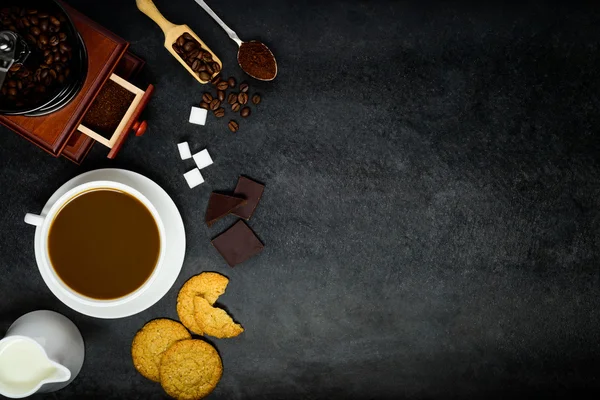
[
  {"x": 257, "y": 60},
  {"x": 108, "y": 109}
]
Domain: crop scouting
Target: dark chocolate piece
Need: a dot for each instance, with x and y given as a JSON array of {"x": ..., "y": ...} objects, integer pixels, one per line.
[
  {"x": 219, "y": 205},
  {"x": 237, "y": 244},
  {"x": 250, "y": 190}
]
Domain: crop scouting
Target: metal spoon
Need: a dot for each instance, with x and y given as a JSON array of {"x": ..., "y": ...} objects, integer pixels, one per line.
[{"x": 243, "y": 46}]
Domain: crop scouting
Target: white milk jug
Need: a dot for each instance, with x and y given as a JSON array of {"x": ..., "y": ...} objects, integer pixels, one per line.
[{"x": 42, "y": 352}]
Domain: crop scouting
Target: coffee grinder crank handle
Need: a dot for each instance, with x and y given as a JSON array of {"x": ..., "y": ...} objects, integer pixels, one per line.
[
  {"x": 13, "y": 49},
  {"x": 8, "y": 44}
]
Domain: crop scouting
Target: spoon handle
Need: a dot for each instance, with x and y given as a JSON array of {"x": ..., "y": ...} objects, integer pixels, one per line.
[
  {"x": 219, "y": 21},
  {"x": 148, "y": 8}
]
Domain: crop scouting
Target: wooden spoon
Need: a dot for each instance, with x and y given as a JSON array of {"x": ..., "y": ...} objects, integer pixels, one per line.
[
  {"x": 243, "y": 46},
  {"x": 172, "y": 33}
]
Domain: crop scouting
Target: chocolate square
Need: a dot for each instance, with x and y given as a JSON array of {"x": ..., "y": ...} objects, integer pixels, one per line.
[
  {"x": 220, "y": 205},
  {"x": 237, "y": 244},
  {"x": 252, "y": 191}
]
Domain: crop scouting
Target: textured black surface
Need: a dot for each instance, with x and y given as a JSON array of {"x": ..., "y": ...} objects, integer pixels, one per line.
[{"x": 431, "y": 207}]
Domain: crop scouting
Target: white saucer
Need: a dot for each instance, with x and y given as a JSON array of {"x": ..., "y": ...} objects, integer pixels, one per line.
[{"x": 175, "y": 242}]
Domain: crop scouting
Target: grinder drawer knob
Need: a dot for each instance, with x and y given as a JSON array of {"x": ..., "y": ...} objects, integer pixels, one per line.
[{"x": 140, "y": 128}]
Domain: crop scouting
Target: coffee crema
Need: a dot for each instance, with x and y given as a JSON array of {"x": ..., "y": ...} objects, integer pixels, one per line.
[{"x": 104, "y": 244}]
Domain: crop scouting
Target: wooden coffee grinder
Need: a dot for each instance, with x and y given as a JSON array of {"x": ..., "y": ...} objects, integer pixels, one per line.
[{"x": 99, "y": 112}]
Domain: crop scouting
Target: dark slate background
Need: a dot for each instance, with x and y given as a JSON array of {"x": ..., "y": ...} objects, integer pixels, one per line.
[{"x": 431, "y": 215}]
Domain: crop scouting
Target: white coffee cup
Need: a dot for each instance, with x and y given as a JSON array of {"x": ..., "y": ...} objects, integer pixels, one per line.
[{"x": 44, "y": 222}]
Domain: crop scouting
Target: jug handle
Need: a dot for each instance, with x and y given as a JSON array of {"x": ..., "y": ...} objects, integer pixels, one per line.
[{"x": 33, "y": 219}]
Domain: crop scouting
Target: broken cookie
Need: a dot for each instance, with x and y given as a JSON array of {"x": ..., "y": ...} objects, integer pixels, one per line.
[
  {"x": 208, "y": 285},
  {"x": 214, "y": 321}
]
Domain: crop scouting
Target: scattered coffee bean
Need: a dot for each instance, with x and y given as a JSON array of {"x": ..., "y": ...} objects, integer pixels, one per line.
[
  {"x": 243, "y": 97},
  {"x": 216, "y": 79},
  {"x": 215, "y": 104},
  {"x": 237, "y": 101},
  {"x": 232, "y": 98},
  {"x": 233, "y": 126},
  {"x": 223, "y": 85}
]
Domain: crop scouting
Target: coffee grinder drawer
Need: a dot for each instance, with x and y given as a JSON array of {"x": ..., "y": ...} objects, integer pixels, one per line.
[{"x": 115, "y": 113}]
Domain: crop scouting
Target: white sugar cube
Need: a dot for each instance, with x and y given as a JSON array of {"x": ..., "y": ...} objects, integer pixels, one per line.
[
  {"x": 184, "y": 150},
  {"x": 203, "y": 159},
  {"x": 198, "y": 116},
  {"x": 193, "y": 178}
]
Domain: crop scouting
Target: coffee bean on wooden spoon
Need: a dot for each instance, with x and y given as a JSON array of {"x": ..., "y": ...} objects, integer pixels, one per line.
[
  {"x": 254, "y": 57},
  {"x": 183, "y": 44}
]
